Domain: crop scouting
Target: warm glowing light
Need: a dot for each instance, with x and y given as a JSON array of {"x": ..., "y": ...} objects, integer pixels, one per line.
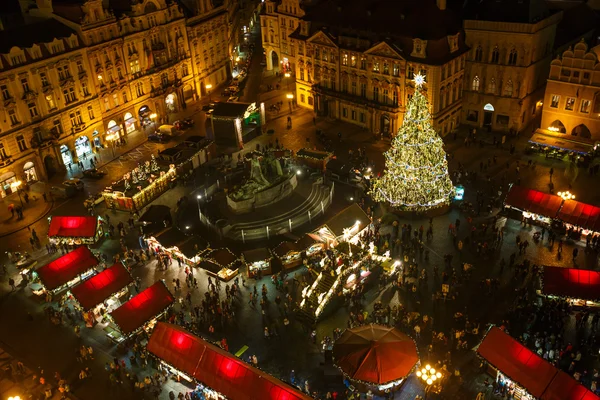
[
  {"x": 199, "y": 196},
  {"x": 553, "y": 129},
  {"x": 419, "y": 374},
  {"x": 429, "y": 381},
  {"x": 153, "y": 115},
  {"x": 429, "y": 374},
  {"x": 419, "y": 80},
  {"x": 14, "y": 398},
  {"x": 99, "y": 77},
  {"x": 15, "y": 185},
  {"x": 287, "y": 75},
  {"x": 566, "y": 195},
  {"x": 428, "y": 367},
  {"x": 209, "y": 86},
  {"x": 289, "y": 96}
]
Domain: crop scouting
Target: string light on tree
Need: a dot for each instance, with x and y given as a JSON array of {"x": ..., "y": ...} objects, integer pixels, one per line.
[{"x": 416, "y": 170}]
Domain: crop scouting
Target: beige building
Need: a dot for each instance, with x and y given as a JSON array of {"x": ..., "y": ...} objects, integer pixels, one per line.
[
  {"x": 47, "y": 96},
  {"x": 511, "y": 49},
  {"x": 572, "y": 99},
  {"x": 364, "y": 74}
]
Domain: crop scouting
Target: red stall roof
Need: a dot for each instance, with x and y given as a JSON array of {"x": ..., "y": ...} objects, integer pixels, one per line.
[
  {"x": 142, "y": 307},
  {"x": 215, "y": 367},
  {"x": 533, "y": 201},
  {"x": 73, "y": 227},
  {"x": 517, "y": 362},
  {"x": 67, "y": 267},
  {"x": 565, "y": 387},
  {"x": 571, "y": 282},
  {"x": 580, "y": 214},
  {"x": 101, "y": 286}
]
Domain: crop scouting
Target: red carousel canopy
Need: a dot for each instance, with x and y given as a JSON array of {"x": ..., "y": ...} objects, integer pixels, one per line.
[
  {"x": 565, "y": 387},
  {"x": 142, "y": 308},
  {"x": 101, "y": 286},
  {"x": 375, "y": 353},
  {"x": 580, "y": 214},
  {"x": 533, "y": 201},
  {"x": 73, "y": 227},
  {"x": 517, "y": 362},
  {"x": 66, "y": 268},
  {"x": 571, "y": 282},
  {"x": 215, "y": 367}
]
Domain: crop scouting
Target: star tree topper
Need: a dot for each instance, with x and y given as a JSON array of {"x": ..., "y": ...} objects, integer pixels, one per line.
[{"x": 419, "y": 80}]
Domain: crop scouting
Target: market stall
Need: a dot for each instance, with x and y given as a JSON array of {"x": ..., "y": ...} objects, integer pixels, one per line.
[
  {"x": 102, "y": 293},
  {"x": 66, "y": 271},
  {"x": 75, "y": 230},
  {"x": 224, "y": 375},
  {"x": 234, "y": 124},
  {"x": 310, "y": 244},
  {"x": 221, "y": 263},
  {"x": 578, "y": 215},
  {"x": 258, "y": 260},
  {"x": 347, "y": 226},
  {"x": 177, "y": 244},
  {"x": 375, "y": 358},
  {"x": 140, "y": 312},
  {"x": 525, "y": 374},
  {"x": 580, "y": 287},
  {"x": 313, "y": 158},
  {"x": 288, "y": 255},
  {"x": 532, "y": 204},
  {"x": 139, "y": 187}
]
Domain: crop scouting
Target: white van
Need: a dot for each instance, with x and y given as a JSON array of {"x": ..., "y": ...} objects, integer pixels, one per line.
[{"x": 168, "y": 130}]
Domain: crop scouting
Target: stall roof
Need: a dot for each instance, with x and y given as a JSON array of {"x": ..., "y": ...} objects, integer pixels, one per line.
[
  {"x": 222, "y": 257},
  {"x": 171, "y": 237},
  {"x": 142, "y": 307},
  {"x": 255, "y": 255},
  {"x": 561, "y": 143},
  {"x": 571, "y": 282},
  {"x": 516, "y": 361},
  {"x": 71, "y": 226},
  {"x": 190, "y": 246},
  {"x": 215, "y": 367},
  {"x": 580, "y": 214},
  {"x": 209, "y": 266},
  {"x": 230, "y": 110},
  {"x": 193, "y": 246},
  {"x": 101, "y": 286},
  {"x": 66, "y": 268},
  {"x": 283, "y": 248},
  {"x": 347, "y": 218},
  {"x": 306, "y": 241},
  {"x": 156, "y": 214},
  {"x": 533, "y": 201},
  {"x": 565, "y": 387}
]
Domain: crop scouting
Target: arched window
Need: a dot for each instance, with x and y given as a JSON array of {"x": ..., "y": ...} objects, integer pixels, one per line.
[
  {"x": 496, "y": 55},
  {"x": 475, "y": 84},
  {"x": 581, "y": 130},
  {"x": 512, "y": 57},
  {"x": 478, "y": 54},
  {"x": 508, "y": 88},
  {"x": 492, "y": 85}
]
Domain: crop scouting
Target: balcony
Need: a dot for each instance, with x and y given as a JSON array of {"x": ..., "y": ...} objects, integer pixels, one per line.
[
  {"x": 29, "y": 95},
  {"x": 318, "y": 89},
  {"x": 5, "y": 160},
  {"x": 42, "y": 139}
]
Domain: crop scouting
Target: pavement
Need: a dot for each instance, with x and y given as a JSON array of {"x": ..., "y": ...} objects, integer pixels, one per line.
[
  {"x": 34, "y": 208},
  {"x": 34, "y": 339}
]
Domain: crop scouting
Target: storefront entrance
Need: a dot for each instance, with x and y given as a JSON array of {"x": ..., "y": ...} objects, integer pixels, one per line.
[
  {"x": 129, "y": 123},
  {"x": 488, "y": 115},
  {"x": 385, "y": 125},
  {"x": 29, "y": 172},
  {"x": 5, "y": 181},
  {"x": 82, "y": 147},
  {"x": 67, "y": 157},
  {"x": 114, "y": 131},
  {"x": 170, "y": 102}
]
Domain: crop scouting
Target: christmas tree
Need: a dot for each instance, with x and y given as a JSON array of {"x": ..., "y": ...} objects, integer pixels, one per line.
[{"x": 416, "y": 171}]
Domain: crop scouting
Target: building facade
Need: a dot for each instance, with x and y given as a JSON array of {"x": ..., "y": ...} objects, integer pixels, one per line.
[
  {"x": 364, "y": 75},
  {"x": 47, "y": 96},
  {"x": 506, "y": 70},
  {"x": 572, "y": 98}
]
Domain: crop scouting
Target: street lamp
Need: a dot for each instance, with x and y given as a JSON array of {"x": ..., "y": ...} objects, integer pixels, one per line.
[
  {"x": 566, "y": 195},
  {"x": 198, "y": 198},
  {"x": 429, "y": 375},
  {"x": 15, "y": 186},
  {"x": 208, "y": 87},
  {"x": 290, "y": 97},
  {"x": 14, "y": 398}
]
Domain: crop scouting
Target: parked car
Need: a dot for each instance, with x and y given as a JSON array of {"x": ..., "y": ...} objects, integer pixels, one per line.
[
  {"x": 207, "y": 108},
  {"x": 158, "y": 137},
  {"x": 93, "y": 173},
  {"x": 167, "y": 130},
  {"x": 76, "y": 183},
  {"x": 63, "y": 191},
  {"x": 233, "y": 99}
]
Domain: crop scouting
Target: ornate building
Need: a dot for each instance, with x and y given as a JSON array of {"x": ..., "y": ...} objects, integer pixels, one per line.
[
  {"x": 572, "y": 99},
  {"x": 47, "y": 95},
  {"x": 355, "y": 60},
  {"x": 511, "y": 47}
]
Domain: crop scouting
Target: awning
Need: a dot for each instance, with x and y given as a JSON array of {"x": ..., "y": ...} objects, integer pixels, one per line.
[
  {"x": 564, "y": 387},
  {"x": 580, "y": 214},
  {"x": 571, "y": 282},
  {"x": 223, "y": 257},
  {"x": 255, "y": 255},
  {"x": 561, "y": 143},
  {"x": 101, "y": 286},
  {"x": 347, "y": 218},
  {"x": 284, "y": 248},
  {"x": 66, "y": 268},
  {"x": 73, "y": 227},
  {"x": 142, "y": 308},
  {"x": 533, "y": 201},
  {"x": 306, "y": 241},
  {"x": 216, "y": 368},
  {"x": 517, "y": 362}
]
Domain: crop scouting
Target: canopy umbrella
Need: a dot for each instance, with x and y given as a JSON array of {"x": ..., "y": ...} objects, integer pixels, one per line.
[{"x": 375, "y": 354}]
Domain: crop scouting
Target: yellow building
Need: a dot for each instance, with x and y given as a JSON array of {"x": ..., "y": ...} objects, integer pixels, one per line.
[
  {"x": 363, "y": 75},
  {"x": 572, "y": 99},
  {"x": 511, "y": 48},
  {"x": 47, "y": 94}
]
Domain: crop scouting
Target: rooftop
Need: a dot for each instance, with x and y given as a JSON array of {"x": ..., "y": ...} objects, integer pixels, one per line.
[
  {"x": 517, "y": 11},
  {"x": 37, "y": 32}
]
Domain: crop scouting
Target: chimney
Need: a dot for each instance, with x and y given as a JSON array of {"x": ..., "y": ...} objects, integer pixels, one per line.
[{"x": 441, "y": 4}]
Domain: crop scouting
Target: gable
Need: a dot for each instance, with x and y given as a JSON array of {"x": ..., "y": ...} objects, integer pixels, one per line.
[
  {"x": 383, "y": 49},
  {"x": 321, "y": 38}
]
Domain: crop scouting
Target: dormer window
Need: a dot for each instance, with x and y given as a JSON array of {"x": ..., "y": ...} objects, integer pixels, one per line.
[
  {"x": 419, "y": 47},
  {"x": 17, "y": 59},
  {"x": 453, "y": 43}
]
